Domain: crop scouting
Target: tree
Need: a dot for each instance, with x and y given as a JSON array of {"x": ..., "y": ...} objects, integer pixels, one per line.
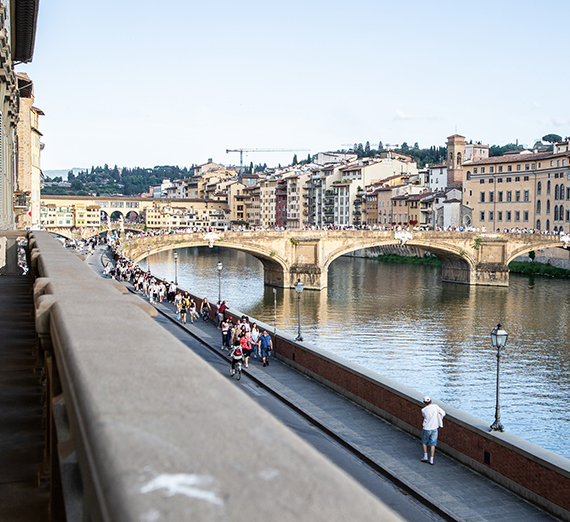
[
  {"x": 251, "y": 167},
  {"x": 295, "y": 159},
  {"x": 309, "y": 159},
  {"x": 416, "y": 146},
  {"x": 360, "y": 150},
  {"x": 405, "y": 147},
  {"x": 552, "y": 138},
  {"x": 380, "y": 147},
  {"x": 367, "y": 149}
]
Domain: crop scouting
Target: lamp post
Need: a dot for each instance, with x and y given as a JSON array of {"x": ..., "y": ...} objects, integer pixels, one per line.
[
  {"x": 274, "y": 313},
  {"x": 148, "y": 258},
  {"x": 220, "y": 267},
  {"x": 175, "y": 267},
  {"x": 130, "y": 247},
  {"x": 499, "y": 340},
  {"x": 299, "y": 289}
]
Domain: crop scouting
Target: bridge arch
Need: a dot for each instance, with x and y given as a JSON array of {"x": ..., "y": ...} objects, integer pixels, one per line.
[
  {"x": 457, "y": 264},
  {"x": 275, "y": 267},
  {"x": 521, "y": 251}
]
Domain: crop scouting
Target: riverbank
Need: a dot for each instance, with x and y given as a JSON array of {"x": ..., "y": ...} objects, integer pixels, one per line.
[
  {"x": 408, "y": 260},
  {"x": 541, "y": 269}
]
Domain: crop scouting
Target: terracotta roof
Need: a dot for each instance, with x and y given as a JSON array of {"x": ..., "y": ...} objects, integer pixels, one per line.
[{"x": 516, "y": 158}]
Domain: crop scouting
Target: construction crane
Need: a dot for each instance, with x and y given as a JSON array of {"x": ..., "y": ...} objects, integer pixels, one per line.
[{"x": 241, "y": 151}]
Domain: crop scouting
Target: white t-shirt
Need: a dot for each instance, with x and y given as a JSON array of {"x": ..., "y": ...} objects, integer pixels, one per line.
[{"x": 430, "y": 414}]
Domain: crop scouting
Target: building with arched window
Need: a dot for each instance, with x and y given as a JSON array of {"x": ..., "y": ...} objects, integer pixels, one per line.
[{"x": 520, "y": 190}]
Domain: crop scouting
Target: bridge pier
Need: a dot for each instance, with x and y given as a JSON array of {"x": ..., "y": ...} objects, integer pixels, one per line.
[{"x": 312, "y": 277}]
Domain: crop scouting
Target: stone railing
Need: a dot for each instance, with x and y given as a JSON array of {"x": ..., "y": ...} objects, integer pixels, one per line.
[
  {"x": 9, "y": 251},
  {"x": 143, "y": 429}
]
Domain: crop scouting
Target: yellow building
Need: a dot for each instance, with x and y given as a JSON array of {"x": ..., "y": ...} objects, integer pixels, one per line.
[{"x": 522, "y": 190}]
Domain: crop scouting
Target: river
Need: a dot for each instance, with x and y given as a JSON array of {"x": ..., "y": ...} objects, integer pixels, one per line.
[{"x": 402, "y": 322}]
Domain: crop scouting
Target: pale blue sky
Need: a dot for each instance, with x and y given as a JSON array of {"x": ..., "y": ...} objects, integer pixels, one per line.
[{"x": 140, "y": 83}]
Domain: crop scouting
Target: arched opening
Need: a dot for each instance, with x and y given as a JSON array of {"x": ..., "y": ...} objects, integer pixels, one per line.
[
  {"x": 548, "y": 206},
  {"x": 555, "y": 212},
  {"x": 548, "y": 188},
  {"x": 104, "y": 217},
  {"x": 539, "y": 188},
  {"x": 561, "y": 191},
  {"x": 538, "y": 206},
  {"x": 538, "y": 224},
  {"x": 548, "y": 225},
  {"x": 116, "y": 216},
  {"x": 556, "y": 191},
  {"x": 133, "y": 217}
]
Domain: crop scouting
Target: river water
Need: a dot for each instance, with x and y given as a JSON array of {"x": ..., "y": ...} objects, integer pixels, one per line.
[{"x": 402, "y": 322}]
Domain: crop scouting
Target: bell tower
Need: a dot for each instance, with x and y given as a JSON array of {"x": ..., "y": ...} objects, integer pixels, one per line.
[{"x": 455, "y": 159}]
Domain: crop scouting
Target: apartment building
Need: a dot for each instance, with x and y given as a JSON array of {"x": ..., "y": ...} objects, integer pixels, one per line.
[
  {"x": 523, "y": 190},
  {"x": 267, "y": 202},
  {"x": 27, "y": 204}
]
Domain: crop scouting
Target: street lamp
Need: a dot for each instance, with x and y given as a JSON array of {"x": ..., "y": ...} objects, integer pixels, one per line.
[
  {"x": 299, "y": 289},
  {"x": 499, "y": 340},
  {"x": 148, "y": 258},
  {"x": 175, "y": 267},
  {"x": 220, "y": 267}
]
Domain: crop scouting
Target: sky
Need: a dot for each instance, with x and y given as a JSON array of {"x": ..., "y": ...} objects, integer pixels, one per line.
[{"x": 176, "y": 82}]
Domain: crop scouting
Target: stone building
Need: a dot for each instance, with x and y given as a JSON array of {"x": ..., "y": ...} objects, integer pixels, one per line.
[
  {"x": 17, "y": 38},
  {"x": 520, "y": 190},
  {"x": 28, "y": 176}
]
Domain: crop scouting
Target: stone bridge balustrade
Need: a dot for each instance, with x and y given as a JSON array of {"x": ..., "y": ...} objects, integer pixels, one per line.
[{"x": 467, "y": 257}]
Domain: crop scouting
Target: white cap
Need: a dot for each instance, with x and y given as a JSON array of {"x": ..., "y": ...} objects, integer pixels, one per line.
[{"x": 427, "y": 399}]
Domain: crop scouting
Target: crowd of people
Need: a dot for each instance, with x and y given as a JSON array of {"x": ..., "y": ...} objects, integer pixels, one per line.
[{"x": 241, "y": 337}]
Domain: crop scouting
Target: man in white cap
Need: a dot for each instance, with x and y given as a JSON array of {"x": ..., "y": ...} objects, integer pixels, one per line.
[{"x": 433, "y": 416}]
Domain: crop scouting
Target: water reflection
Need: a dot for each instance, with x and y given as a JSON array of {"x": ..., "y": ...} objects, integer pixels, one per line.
[{"x": 403, "y": 322}]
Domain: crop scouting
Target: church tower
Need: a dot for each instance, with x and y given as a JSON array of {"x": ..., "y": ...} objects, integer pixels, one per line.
[{"x": 455, "y": 160}]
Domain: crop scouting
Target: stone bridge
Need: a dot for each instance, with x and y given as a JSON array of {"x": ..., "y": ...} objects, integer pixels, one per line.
[{"x": 467, "y": 257}]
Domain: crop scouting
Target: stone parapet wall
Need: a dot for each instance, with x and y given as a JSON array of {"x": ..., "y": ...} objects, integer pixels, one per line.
[
  {"x": 536, "y": 474},
  {"x": 151, "y": 425}
]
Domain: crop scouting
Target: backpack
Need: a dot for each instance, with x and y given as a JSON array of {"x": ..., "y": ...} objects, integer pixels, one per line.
[{"x": 238, "y": 352}]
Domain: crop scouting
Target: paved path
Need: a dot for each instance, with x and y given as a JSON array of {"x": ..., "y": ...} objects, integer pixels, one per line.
[
  {"x": 21, "y": 431},
  {"x": 457, "y": 491}
]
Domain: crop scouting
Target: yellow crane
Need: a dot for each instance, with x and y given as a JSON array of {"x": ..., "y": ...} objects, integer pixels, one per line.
[{"x": 241, "y": 151}]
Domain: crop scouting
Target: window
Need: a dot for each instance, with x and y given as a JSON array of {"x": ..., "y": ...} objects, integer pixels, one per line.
[
  {"x": 468, "y": 175},
  {"x": 518, "y": 167},
  {"x": 509, "y": 195},
  {"x": 475, "y": 170},
  {"x": 491, "y": 197},
  {"x": 526, "y": 195},
  {"x": 500, "y": 196},
  {"x": 517, "y": 195},
  {"x": 500, "y": 168},
  {"x": 556, "y": 191},
  {"x": 491, "y": 169},
  {"x": 539, "y": 188},
  {"x": 490, "y": 180},
  {"x": 538, "y": 206},
  {"x": 509, "y": 180},
  {"x": 548, "y": 206},
  {"x": 527, "y": 166},
  {"x": 548, "y": 188},
  {"x": 481, "y": 197},
  {"x": 481, "y": 181},
  {"x": 482, "y": 215},
  {"x": 499, "y": 216},
  {"x": 508, "y": 215},
  {"x": 509, "y": 168},
  {"x": 482, "y": 170},
  {"x": 517, "y": 215},
  {"x": 561, "y": 191},
  {"x": 517, "y": 179},
  {"x": 525, "y": 215},
  {"x": 499, "y": 180},
  {"x": 533, "y": 166},
  {"x": 525, "y": 178},
  {"x": 490, "y": 215}
]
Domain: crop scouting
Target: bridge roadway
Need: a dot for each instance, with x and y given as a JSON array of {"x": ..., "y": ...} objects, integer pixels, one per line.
[
  {"x": 472, "y": 258},
  {"x": 370, "y": 448}
]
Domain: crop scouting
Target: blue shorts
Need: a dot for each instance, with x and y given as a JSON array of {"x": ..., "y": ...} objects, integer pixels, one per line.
[{"x": 429, "y": 437}]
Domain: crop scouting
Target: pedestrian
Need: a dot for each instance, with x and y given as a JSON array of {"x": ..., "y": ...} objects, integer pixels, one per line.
[
  {"x": 433, "y": 420},
  {"x": 205, "y": 310},
  {"x": 221, "y": 313},
  {"x": 265, "y": 346}
]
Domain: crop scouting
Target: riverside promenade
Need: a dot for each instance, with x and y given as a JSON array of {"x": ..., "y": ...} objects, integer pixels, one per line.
[{"x": 454, "y": 491}]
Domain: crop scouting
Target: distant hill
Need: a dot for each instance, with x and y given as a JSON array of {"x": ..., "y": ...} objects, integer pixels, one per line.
[{"x": 62, "y": 172}]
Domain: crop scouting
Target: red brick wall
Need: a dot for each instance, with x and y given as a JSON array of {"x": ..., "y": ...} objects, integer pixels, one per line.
[{"x": 521, "y": 469}]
